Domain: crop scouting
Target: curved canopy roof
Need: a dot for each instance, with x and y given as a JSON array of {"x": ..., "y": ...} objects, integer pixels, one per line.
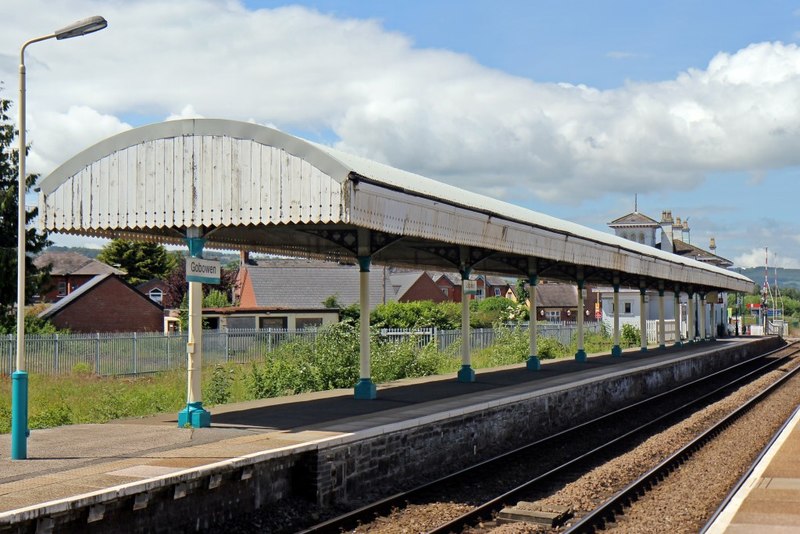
[{"x": 252, "y": 187}]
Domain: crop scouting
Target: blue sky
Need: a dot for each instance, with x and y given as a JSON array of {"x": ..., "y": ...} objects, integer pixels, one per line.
[{"x": 568, "y": 108}]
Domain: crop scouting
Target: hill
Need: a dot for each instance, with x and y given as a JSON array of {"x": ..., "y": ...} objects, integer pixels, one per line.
[
  {"x": 786, "y": 277},
  {"x": 224, "y": 259}
]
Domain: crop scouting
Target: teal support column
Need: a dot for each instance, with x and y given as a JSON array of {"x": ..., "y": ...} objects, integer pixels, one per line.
[
  {"x": 466, "y": 373},
  {"x": 19, "y": 415},
  {"x": 616, "y": 350},
  {"x": 642, "y": 318},
  {"x": 580, "y": 355},
  {"x": 365, "y": 388},
  {"x": 677, "y": 314},
  {"x": 533, "y": 363},
  {"x": 194, "y": 415}
]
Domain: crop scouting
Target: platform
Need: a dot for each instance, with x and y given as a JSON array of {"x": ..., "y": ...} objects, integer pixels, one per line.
[
  {"x": 769, "y": 500},
  {"x": 79, "y": 465}
]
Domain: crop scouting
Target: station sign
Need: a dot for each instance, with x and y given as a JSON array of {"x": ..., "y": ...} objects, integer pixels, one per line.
[
  {"x": 203, "y": 271},
  {"x": 470, "y": 287}
]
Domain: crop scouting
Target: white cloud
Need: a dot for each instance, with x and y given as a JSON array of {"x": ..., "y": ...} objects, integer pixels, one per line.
[
  {"x": 755, "y": 258},
  {"x": 433, "y": 112},
  {"x": 61, "y": 135}
]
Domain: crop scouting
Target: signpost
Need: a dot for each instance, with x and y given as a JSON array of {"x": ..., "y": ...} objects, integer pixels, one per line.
[
  {"x": 203, "y": 271},
  {"x": 470, "y": 287}
]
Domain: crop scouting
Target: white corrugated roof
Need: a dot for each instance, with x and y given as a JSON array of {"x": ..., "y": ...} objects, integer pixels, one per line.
[{"x": 253, "y": 187}]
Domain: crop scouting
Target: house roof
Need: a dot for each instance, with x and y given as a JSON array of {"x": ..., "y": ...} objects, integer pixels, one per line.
[
  {"x": 402, "y": 282},
  {"x": 72, "y": 263},
  {"x": 145, "y": 287},
  {"x": 696, "y": 253},
  {"x": 291, "y": 283},
  {"x": 86, "y": 288},
  {"x": 556, "y": 296},
  {"x": 634, "y": 219}
]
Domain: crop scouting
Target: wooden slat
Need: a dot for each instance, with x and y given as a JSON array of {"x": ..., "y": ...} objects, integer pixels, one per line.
[{"x": 168, "y": 216}]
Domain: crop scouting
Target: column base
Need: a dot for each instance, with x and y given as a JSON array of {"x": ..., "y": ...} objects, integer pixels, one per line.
[
  {"x": 533, "y": 363},
  {"x": 580, "y": 356},
  {"x": 365, "y": 389},
  {"x": 616, "y": 351},
  {"x": 678, "y": 344},
  {"x": 662, "y": 345},
  {"x": 643, "y": 349},
  {"x": 19, "y": 415},
  {"x": 466, "y": 374},
  {"x": 194, "y": 416}
]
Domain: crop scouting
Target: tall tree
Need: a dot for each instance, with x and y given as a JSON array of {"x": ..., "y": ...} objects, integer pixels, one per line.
[
  {"x": 141, "y": 260},
  {"x": 35, "y": 241}
]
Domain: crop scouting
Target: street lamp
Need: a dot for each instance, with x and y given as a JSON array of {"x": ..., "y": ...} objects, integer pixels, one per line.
[{"x": 19, "y": 392}]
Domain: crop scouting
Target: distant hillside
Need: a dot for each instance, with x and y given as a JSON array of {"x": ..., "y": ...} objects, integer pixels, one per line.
[
  {"x": 88, "y": 252},
  {"x": 224, "y": 259},
  {"x": 786, "y": 277}
]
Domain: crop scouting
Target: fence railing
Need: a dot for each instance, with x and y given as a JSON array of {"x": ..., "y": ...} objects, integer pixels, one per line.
[{"x": 142, "y": 353}]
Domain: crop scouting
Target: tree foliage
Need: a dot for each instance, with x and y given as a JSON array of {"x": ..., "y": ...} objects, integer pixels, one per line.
[
  {"x": 141, "y": 260},
  {"x": 178, "y": 287},
  {"x": 35, "y": 241}
]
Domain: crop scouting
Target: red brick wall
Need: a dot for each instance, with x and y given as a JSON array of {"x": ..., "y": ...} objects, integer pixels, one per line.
[
  {"x": 73, "y": 282},
  {"x": 111, "y": 306}
]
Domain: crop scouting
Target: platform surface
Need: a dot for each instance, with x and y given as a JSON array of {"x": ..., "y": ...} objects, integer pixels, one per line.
[
  {"x": 79, "y": 460},
  {"x": 769, "y": 500}
]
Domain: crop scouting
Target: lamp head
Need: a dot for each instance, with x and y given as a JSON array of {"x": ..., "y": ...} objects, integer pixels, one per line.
[{"x": 81, "y": 27}]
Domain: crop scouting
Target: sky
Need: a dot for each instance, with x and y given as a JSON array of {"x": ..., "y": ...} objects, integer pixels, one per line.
[{"x": 569, "y": 108}]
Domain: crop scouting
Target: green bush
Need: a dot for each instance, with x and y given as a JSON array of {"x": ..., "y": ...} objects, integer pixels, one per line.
[
  {"x": 51, "y": 416},
  {"x": 630, "y": 336},
  {"x": 218, "y": 389},
  {"x": 549, "y": 348}
]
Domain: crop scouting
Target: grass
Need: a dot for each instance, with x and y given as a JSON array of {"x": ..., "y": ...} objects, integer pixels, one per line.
[{"x": 326, "y": 363}]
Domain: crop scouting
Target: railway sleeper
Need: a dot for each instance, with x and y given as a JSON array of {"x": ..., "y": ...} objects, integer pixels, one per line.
[{"x": 532, "y": 512}]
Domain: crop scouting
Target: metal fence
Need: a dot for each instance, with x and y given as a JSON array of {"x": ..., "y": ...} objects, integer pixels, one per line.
[
  {"x": 481, "y": 338},
  {"x": 142, "y": 353}
]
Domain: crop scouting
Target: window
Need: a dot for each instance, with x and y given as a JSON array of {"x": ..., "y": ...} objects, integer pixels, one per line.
[
  {"x": 156, "y": 295},
  {"x": 553, "y": 316},
  {"x": 272, "y": 322},
  {"x": 235, "y": 323},
  {"x": 62, "y": 288},
  {"x": 497, "y": 292},
  {"x": 308, "y": 322},
  {"x": 479, "y": 293},
  {"x": 446, "y": 291},
  {"x": 628, "y": 307}
]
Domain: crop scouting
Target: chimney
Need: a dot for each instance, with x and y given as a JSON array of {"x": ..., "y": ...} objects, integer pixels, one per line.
[
  {"x": 667, "y": 224},
  {"x": 685, "y": 237},
  {"x": 244, "y": 257},
  {"x": 712, "y": 245}
]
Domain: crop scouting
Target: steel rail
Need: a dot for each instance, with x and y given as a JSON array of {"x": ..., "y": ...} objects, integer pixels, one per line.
[
  {"x": 368, "y": 512},
  {"x": 606, "y": 512},
  {"x": 739, "y": 483}
]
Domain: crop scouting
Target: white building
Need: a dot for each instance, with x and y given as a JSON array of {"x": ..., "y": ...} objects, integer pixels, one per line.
[{"x": 674, "y": 237}]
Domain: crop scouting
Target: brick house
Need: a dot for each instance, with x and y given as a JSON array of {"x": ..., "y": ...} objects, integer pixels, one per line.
[
  {"x": 68, "y": 272},
  {"x": 106, "y": 303},
  {"x": 155, "y": 290},
  {"x": 414, "y": 286},
  {"x": 558, "y": 302}
]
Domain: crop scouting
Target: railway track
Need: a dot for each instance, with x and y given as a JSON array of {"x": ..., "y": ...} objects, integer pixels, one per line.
[
  {"x": 667, "y": 406},
  {"x": 605, "y": 513}
]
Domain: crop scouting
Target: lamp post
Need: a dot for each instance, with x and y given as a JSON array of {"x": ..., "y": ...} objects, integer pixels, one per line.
[{"x": 19, "y": 390}]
